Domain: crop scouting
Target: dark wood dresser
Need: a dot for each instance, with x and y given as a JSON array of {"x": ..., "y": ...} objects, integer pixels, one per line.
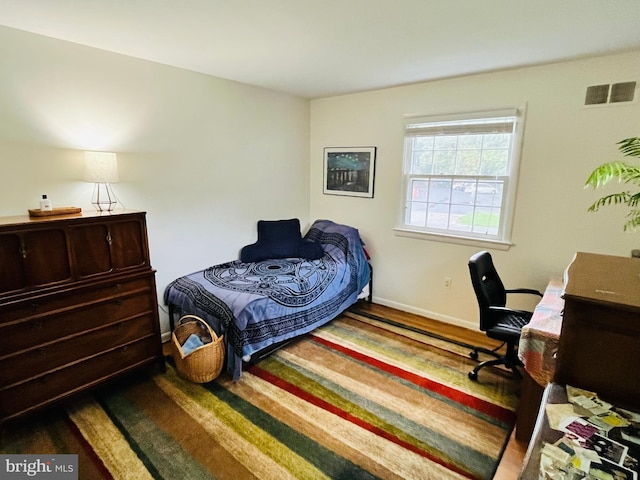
[{"x": 77, "y": 306}]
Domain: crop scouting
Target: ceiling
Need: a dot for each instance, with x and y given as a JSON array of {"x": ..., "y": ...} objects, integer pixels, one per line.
[{"x": 320, "y": 48}]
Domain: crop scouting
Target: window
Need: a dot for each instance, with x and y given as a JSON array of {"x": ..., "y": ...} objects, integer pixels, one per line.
[{"x": 460, "y": 175}]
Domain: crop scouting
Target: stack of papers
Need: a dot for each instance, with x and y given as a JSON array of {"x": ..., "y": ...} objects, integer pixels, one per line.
[{"x": 600, "y": 441}]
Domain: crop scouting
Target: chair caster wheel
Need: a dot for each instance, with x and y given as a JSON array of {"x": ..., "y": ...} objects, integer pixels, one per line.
[
  {"x": 474, "y": 355},
  {"x": 473, "y": 375}
]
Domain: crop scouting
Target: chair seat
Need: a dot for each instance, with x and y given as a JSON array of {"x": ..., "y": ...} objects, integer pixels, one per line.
[{"x": 509, "y": 327}]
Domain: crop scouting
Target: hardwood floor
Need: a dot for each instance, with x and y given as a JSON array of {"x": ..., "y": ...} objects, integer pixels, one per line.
[
  {"x": 511, "y": 464},
  {"x": 447, "y": 330}
]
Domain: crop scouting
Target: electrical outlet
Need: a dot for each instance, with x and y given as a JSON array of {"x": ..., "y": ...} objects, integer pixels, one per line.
[{"x": 447, "y": 282}]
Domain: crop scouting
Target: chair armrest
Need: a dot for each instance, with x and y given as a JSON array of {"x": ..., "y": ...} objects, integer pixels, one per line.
[{"x": 525, "y": 290}]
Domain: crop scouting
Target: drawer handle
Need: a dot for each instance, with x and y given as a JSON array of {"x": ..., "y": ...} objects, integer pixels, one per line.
[
  {"x": 120, "y": 325},
  {"x": 34, "y": 306},
  {"x": 42, "y": 352},
  {"x": 37, "y": 325},
  {"x": 109, "y": 238},
  {"x": 124, "y": 349},
  {"x": 23, "y": 251},
  {"x": 119, "y": 302}
]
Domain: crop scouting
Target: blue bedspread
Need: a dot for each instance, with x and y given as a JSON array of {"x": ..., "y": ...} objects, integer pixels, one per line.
[{"x": 262, "y": 303}]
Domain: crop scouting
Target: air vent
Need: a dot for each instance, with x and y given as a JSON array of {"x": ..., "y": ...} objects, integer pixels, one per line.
[
  {"x": 622, "y": 92},
  {"x": 597, "y": 94},
  {"x": 614, "y": 93}
]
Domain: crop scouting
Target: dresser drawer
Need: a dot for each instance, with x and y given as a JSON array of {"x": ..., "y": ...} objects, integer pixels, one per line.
[
  {"x": 43, "y": 329},
  {"x": 45, "y": 358},
  {"x": 39, "y": 306},
  {"x": 58, "y": 384}
]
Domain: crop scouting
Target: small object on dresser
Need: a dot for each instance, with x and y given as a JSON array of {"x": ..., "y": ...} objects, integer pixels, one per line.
[
  {"x": 45, "y": 204},
  {"x": 38, "y": 212}
]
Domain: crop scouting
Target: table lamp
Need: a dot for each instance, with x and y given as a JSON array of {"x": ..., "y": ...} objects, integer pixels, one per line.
[{"x": 101, "y": 169}]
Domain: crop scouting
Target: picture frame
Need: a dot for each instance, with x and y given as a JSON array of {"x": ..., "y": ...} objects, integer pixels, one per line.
[{"x": 349, "y": 171}]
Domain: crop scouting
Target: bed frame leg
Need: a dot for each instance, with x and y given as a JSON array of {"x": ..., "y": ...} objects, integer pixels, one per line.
[
  {"x": 171, "y": 322},
  {"x": 370, "y": 297}
]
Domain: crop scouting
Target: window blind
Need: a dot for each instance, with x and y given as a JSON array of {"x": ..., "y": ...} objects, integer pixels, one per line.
[{"x": 480, "y": 123}]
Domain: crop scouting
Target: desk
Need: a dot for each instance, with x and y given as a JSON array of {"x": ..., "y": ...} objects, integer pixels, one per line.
[
  {"x": 540, "y": 337},
  {"x": 553, "y": 393},
  {"x": 599, "y": 342},
  {"x": 537, "y": 351},
  {"x": 623, "y": 438}
]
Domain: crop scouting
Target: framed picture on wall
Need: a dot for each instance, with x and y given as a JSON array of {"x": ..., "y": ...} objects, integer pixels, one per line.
[{"x": 349, "y": 171}]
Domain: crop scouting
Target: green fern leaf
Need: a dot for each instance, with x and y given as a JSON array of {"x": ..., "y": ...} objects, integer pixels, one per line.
[
  {"x": 613, "y": 199},
  {"x": 609, "y": 171},
  {"x": 634, "y": 220},
  {"x": 634, "y": 200},
  {"x": 630, "y": 147},
  {"x": 624, "y": 173}
]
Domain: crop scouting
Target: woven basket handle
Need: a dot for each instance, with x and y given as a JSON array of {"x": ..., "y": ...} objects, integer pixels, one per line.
[{"x": 212, "y": 332}]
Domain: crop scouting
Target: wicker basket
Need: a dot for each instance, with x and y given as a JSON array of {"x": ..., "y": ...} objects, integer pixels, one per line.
[{"x": 204, "y": 363}]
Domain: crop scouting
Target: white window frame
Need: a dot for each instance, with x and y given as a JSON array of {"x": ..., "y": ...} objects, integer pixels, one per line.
[{"x": 499, "y": 240}]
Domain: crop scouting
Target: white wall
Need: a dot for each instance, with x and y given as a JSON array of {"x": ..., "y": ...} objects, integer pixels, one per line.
[
  {"x": 563, "y": 142},
  {"x": 207, "y": 157},
  {"x": 204, "y": 157}
]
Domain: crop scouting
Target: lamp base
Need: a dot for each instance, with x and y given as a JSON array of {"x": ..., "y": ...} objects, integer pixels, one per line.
[{"x": 104, "y": 200}]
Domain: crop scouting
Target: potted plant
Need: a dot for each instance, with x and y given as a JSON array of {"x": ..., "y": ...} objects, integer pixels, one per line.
[{"x": 623, "y": 172}]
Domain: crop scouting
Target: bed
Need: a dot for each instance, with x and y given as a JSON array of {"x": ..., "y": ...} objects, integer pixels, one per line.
[{"x": 259, "y": 303}]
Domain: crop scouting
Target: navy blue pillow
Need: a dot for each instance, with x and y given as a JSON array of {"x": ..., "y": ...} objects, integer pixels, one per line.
[
  {"x": 310, "y": 250},
  {"x": 280, "y": 239}
]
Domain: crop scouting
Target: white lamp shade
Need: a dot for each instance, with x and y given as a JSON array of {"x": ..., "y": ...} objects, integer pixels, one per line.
[{"x": 100, "y": 167}]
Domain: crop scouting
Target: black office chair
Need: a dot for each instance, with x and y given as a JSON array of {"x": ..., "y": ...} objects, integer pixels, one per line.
[{"x": 497, "y": 320}]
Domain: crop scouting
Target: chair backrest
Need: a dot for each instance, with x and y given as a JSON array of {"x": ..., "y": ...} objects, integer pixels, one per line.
[{"x": 486, "y": 282}]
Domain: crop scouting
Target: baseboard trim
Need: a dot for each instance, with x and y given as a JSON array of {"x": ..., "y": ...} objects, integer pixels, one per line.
[{"x": 426, "y": 313}]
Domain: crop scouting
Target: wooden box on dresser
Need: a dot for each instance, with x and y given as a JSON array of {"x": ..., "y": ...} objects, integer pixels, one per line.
[{"x": 77, "y": 306}]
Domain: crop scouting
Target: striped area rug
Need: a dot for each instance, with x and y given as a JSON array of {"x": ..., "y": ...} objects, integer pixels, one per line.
[{"x": 359, "y": 398}]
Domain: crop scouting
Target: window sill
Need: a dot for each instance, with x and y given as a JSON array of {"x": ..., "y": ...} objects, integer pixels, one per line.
[{"x": 457, "y": 239}]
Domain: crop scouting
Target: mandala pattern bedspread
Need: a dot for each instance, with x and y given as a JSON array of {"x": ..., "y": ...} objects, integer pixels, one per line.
[{"x": 262, "y": 303}]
